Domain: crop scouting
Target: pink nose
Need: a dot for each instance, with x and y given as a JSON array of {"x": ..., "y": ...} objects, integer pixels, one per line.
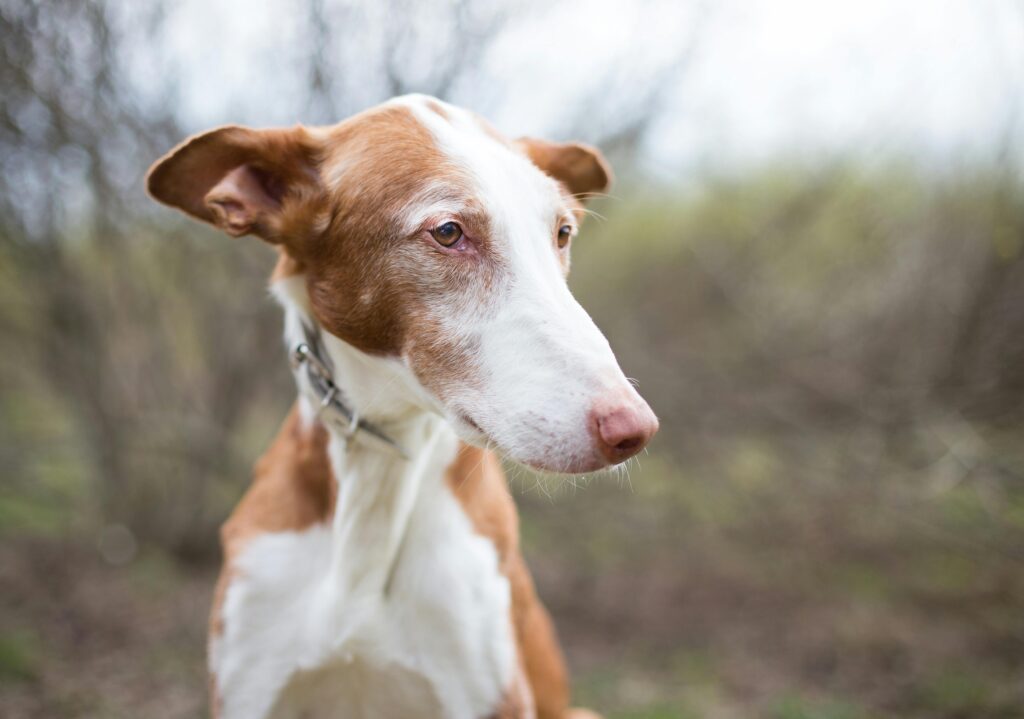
[{"x": 622, "y": 428}]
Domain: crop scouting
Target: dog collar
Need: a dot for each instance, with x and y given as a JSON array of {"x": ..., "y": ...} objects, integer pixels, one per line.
[{"x": 307, "y": 356}]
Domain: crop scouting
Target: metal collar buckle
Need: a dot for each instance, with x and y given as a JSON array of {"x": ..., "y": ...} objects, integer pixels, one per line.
[{"x": 332, "y": 408}]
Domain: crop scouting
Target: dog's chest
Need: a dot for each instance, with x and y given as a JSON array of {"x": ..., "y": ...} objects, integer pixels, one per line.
[{"x": 310, "y": 631}]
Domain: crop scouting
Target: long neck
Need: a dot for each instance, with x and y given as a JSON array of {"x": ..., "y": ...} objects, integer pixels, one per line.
[{"x": 377, "y": 489}]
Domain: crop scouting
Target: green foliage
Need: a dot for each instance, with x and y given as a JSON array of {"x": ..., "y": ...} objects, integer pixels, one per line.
[
  {"x": 20, "y": 656},
  {"x": 655, "y": 712},
  {"x": 964, "y": 691},
  {"x": 799, "y": 708},
  {"x": 828, "y": 521}
]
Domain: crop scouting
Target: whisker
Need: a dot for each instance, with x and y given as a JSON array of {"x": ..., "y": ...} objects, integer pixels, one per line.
[
  {"x": 595, "y": 195},
  {"x": 594, "y": 214}
]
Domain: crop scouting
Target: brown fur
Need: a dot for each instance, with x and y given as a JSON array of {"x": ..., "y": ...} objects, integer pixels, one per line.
[
  {"x": 478, "y": 482},
  {"x": 331, "y": 200},
  {"x": 279, "y": 163},
  {"x": 580, "y": 168},
  {"x": 292, "y": 488}
]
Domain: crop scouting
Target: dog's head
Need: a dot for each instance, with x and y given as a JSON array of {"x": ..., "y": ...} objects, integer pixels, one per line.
[{"x": 425, "y": 236}]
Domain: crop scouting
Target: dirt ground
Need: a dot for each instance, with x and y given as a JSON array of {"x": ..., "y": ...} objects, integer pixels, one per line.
[{"x": 661, "y": 617}]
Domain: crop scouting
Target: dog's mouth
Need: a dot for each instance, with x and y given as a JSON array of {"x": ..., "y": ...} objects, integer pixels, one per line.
[
  {"x": 471, "y": 423},
  {"x": 481, "y": 438},
  {"x": 472, "y": 433}
]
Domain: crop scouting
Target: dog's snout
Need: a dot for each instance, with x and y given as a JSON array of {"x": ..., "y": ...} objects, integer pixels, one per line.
[{"x": 622, "y": 428}]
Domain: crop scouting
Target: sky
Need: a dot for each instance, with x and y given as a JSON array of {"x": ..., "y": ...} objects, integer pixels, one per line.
[
  {"x": 935, "y": 76},
  {"x": 933, "y": 79}
]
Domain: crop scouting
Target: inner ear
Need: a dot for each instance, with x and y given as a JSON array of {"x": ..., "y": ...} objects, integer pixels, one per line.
[
  {"x": 239, "y": 179},
  {"x": 244, "y": 201},
  {"x": 581, "y": 168}
]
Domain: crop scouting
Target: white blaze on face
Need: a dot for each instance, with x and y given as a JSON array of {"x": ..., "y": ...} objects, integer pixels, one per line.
[{"x": 543, "y": 367}]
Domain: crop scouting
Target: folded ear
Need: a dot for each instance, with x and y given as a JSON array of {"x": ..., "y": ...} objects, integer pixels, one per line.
[
  {"x": 239, "y": 179},
  {"x": 581, "y": 168}
]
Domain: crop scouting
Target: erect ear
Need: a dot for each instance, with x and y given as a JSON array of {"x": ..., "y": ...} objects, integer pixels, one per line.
[
  {"x": 244, "y": 181},
  {"x": 581, "y": 168}
]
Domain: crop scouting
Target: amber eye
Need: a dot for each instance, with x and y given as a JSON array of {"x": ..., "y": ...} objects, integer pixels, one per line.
[
  {"x": 447, "y": 234},
  {"x": 564, "y": 233}
]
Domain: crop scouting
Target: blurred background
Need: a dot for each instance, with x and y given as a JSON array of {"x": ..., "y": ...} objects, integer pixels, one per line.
[{"x": 812, "y": 262}]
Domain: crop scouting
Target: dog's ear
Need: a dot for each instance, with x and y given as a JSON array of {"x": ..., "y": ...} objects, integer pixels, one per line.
[
  {"x": 581, "y": 168},
  {"x": 244, "y": 181}
]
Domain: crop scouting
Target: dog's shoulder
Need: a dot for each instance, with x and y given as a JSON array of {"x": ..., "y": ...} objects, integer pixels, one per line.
[
  {"x": 477, "y": 480},
  {"x": 291, "y": 490},
  {"x": 292, "y": 487}
]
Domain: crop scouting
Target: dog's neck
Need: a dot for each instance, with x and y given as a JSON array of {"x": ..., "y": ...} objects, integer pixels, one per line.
[{"x": 377, "y": 489}]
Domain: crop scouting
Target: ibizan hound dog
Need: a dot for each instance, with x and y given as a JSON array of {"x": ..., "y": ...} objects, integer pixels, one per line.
[{"x": 373, "y": 567}]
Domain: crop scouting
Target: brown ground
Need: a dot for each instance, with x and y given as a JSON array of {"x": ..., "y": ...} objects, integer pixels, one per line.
[{"x": 832, "y": 617}]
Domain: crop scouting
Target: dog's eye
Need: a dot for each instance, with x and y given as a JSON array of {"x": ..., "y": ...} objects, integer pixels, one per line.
[
  {"x": 447, "y": 234},
  {"x": 564, "y": 233}
]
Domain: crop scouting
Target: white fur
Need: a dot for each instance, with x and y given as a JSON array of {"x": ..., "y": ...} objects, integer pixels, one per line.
[
  {"x": 544, "y": 361},
  {"x": 398, "y": 609}
]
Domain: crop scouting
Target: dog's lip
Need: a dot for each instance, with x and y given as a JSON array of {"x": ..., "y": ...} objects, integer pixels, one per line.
[
  {"x": 576, "y": 466},
  {"x": 542, "y": 464},
  {"x": 471, "y": 423}
]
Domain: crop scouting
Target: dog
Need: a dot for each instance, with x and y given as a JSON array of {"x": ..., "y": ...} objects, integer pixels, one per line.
[{"x": 373, "y": 569}]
